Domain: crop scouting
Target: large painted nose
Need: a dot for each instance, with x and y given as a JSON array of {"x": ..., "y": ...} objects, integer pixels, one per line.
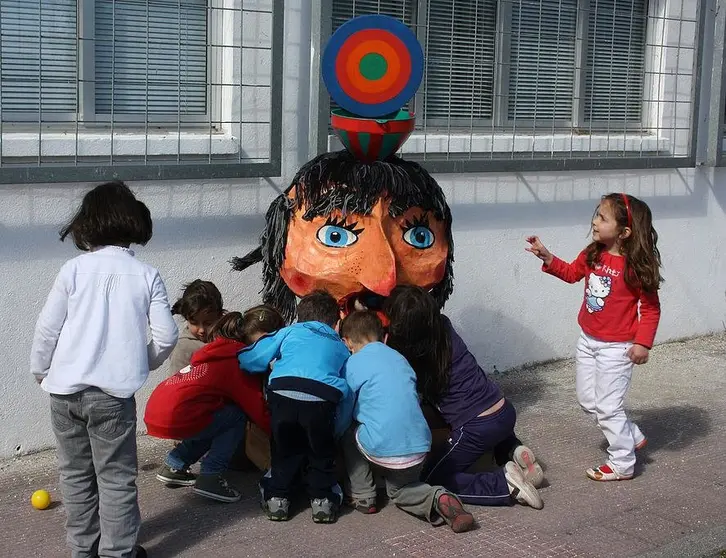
[
  {"x": 378, "y": 272},
  {"x": 379, "y": 275}
]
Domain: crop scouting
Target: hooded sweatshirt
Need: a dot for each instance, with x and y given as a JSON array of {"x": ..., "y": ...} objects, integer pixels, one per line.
[
  {"x": 183, "y": 405},
  {"x": 187, "y": 345}
]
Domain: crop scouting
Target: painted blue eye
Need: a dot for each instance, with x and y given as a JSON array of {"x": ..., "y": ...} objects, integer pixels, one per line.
[
  {"x": 420, "y": 237},
  {"x": 336, "y": 237}
]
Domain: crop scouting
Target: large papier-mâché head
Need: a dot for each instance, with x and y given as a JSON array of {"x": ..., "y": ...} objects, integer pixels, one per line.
[{"x": 355, "y": 230}]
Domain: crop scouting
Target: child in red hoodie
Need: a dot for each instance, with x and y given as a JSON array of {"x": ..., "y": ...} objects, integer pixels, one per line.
[{"x": 207, "y": 404}]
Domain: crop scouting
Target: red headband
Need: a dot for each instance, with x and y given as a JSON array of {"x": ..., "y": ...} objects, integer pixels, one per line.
[{"x": 627, "y": 207}]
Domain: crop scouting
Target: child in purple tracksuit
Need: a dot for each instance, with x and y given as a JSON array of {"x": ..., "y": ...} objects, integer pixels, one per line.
[{"x": 480, "y": 418}]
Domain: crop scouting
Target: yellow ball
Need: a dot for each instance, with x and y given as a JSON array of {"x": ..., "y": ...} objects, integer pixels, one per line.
[{"x": 40, "y": 499}]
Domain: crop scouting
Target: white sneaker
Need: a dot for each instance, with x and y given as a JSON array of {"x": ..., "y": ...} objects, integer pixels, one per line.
[
  {"x": 605, "y": 473},
  {"x": 520, "y": 489},
  {"x": 533, "y": 473}
]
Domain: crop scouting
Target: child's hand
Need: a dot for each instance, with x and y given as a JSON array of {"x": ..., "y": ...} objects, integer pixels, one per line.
[
  {"x": 538, "y": 249},
  {"x": 638, "y": 354}
]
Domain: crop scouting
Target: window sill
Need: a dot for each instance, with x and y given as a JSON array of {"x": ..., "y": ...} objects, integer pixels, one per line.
[
  {"x": 504, "y": 145},
  {"x": 129, "y": 143}
]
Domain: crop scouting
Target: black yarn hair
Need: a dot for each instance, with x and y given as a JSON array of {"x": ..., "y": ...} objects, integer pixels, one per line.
[{"x": 339, "y": 181}]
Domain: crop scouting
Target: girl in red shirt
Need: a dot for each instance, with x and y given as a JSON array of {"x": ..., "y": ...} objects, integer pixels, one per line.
[
  {"x": 207, "y": 404},
  {"x": 619, "y": 318}
]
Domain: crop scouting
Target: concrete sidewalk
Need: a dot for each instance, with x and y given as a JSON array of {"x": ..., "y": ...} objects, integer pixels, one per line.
[{"x": 676, "y": 506}]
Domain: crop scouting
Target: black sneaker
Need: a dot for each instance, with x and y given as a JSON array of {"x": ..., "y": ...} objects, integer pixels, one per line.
[
  {"x": 215, "y": 487},
  {"x": 174, "y": 477},
  {"x": 324, "y": 510}
]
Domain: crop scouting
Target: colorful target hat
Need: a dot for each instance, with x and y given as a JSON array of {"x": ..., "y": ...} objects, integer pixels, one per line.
[{"x": 372, "y": 66}]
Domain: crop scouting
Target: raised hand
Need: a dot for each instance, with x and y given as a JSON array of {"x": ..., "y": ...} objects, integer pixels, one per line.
[{"x": 538, "y": 249}]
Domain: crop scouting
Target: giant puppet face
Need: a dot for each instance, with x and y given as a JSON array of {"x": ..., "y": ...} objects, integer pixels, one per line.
[
  {"x": 355, "y": 230},
  {"x": 356, "y": 255}
]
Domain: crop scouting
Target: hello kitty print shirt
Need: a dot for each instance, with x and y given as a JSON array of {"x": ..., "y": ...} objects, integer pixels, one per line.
[{"x": 611, "y": 311}]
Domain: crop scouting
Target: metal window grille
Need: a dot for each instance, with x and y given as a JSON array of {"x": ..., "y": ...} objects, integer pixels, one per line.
[
  {"x": 140, "y": 89},
  {"x": 548, "y": 84}
]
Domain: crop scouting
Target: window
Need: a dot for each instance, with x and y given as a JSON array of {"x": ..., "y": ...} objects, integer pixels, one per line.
[
  {"x": 105, "y": 57},
  {"x": 151, "y": 56},
  {"x": 524, "y": 64},
  {"x": 105, "y": 85}
]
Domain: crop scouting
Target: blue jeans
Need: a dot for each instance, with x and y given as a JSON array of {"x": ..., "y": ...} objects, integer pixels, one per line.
[{"x": 219, "y": 441}]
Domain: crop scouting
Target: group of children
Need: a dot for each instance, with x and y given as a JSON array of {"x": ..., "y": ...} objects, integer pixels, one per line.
[{"x": 325, "y": 385}]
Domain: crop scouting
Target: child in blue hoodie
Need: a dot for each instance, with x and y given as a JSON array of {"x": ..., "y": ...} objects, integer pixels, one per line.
[
  {"x": 303, "y": 392},
  {"x": 390, "y": 431}
]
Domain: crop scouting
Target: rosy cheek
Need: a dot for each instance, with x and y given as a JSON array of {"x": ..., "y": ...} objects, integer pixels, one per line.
[{"x": 297, "y": 282}]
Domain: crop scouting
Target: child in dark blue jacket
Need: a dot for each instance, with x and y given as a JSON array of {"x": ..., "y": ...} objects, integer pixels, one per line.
[
  {"x": 389, "y": 429},
  {"x": 303, "y": 393}
]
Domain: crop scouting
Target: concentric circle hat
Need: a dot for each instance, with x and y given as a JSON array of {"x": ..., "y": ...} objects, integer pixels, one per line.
[{"x": 372, "y": 66}]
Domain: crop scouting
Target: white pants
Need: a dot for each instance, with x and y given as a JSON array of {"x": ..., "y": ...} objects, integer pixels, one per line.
[{"x": 602, "y": 381}]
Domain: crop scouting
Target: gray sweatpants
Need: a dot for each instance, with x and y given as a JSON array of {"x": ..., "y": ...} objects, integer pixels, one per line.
[
  {"x": 97, "y": 459},
  {"x": 403, "y": 486}
]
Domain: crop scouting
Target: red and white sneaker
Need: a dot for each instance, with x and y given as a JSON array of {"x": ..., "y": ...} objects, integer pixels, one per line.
[
  {"x": 640, "y": 445},
  {"x": 606, "y": 473},
  {"x": 533, "y": 473}
]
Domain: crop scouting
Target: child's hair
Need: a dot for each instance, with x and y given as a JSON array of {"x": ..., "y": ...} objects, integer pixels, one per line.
[
  {"x": 261, "y": 319},
  {"x": 419, "y": 332},
  {"x": 318, "y": 306},
  {"x": 642, "y": 258},
  {"x": 198, "y": 296},
  {"x": 110, "y": 215},
  {"x": 361, "y": 326},
  {"x": 242, "y": 327}
]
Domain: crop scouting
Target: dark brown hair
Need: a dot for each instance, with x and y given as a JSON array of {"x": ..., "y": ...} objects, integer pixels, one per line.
[
  {"x": 420, "y": 333},
  {"x": 318, "y": 306},
  {"x": 362, "y": 325},
  {"x": 110, "y": 215},
  {"x": 642, "y": 257},
  {"x": 241, "y": 327},
  {"x": 198, "y": 296}
]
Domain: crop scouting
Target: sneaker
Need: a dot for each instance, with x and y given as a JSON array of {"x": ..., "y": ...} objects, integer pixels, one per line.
[
  {"x": 276, "y": 508},
  {"x": 324, "y": 510},
  {"x": 450, "y": 509},
  {"x": 640, "y": 445},
  {"x": 533, "y": 473},
  {"x": 605, "y": 473},
  {"x": 520, "y": 489},
  {"x": 215, "y": 487},
  {"x": 176, "y": 477},
  {"x": 364, "y": 505}
]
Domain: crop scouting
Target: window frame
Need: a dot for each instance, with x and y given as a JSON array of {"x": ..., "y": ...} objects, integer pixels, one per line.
[
  {"x": 476, "y": 151},
  {"x": 35, "y": 154}
]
